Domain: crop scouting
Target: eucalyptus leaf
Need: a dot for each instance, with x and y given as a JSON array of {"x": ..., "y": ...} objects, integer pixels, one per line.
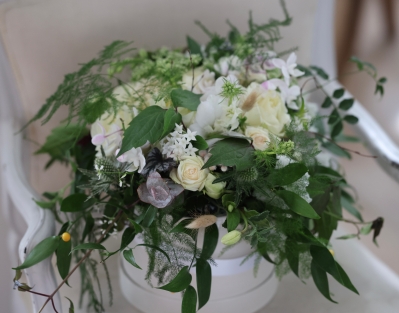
[
  {"x": 148, "y": 125},
  {"x": 346, "y": 104},
  {"x": 204, "y": 281},
  {"x": 337, "y": 129},
  {"x": 64, "y": 257},
  {"x": 351, "y": 119},
  {"x": 232, "y": 152},
  {"x": 185, "y": 99},
  {"x": 297, "y": 204},
  {"x": 326, "y": 103},
  {"x": 128, "y": 255},
  {"x": 189, "y": 303},
  {"x": 41, "y": 251},
  {"x": 127, "y": 237},
  {"x": 180, "y": 282},
  {"x": 338, "y": 93}
]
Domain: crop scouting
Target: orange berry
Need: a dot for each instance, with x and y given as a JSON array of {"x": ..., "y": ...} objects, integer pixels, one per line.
[{"x": 66, "y": 237}]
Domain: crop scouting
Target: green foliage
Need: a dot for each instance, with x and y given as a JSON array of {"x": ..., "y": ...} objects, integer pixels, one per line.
[
  {"x": 297, "y": 204},
  {"x": 231, "y": 152},
  {"x": 185, "y": 99},
  {"x": 189, "y": 303},
  {"x": 41, "y": 251},
  {"x": 180, "y": 282},
  {"x": 90, "y": 246},
  {"x": 204, "y": 281},
  {"x": 287, "y": 175},
  {"x": 128, "y": 255},
  {"x": 170, "y": 120},
  {"x": 64, "y": 257},
  {"x": 75, "y": 203},
  {"x": 211, "y": 239},
  {"x": 127, "y": 237}
]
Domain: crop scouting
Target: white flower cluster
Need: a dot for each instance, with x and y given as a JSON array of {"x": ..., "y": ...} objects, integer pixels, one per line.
[{"x": 178, "y": 144}]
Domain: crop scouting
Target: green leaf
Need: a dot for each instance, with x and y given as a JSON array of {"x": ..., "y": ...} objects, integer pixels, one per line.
[
  {"x": 337, "y": 129},
  {"x": 88, "y": 226},
  {"x": 189, "y": 303},
  {"x": 346, "y": 104},
  {"x": 136, "y": 226},
  {"x": 90, "y": 246},
  {"x": 64, "y": 257},
  {"x": 211, "y": 238},
  {"x": 351, "y": 119},
  {"x": 382, "y": 80},
  {"x": 334, "y": 117},
  {"x": 185, "y": 99},
  {"x": 287, "y": 175},
  {"x": 262, "y": 249},
  {"x": 204, "y": 281},
  {"x": 326, "y": 103},
  {"x": 345, "y": 279},
  {"x": 149, "y": 216},
  {"x": 41, "y": 251},
  {"x": 128, "y": 255},
  {"x": 292, "y": 253},
  {"x": 297, "y": 204},
  {"x": 347, "y": 237},
  {"x": 319, "y": 71},
  {"x": 338, "y": 93},
  {"x": 127, "y": 237},
  {"x": 71, "y": 306},
  {"x": 200, "y": 143},
  {"x": 232, "y": 152},
  {"x": 180, "y": 282},
  {"x": 193, "y": 46},
  {"x": 147, "y": 126},
  {"x": 338, "y": 151},
  {"x": 171, "y": 118},
  {"x": 321, "y": 281},
  {"x": 154, "y": 247},
  {"x": 74, "y": 203},
  {"x": 366, "y": 229},
  {"x": 233, "y": 219}
]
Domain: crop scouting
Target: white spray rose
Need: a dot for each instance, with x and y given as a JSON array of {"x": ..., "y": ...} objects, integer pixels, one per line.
[
  {"x": 260, "y": 137},
  {"x": 214, "y": 190},
  {"x": 203, "y": 80},
  {"x": 265, "y": 108},
  {"x": 107, "y": 130},
  {"x": 189, "y": 173}
]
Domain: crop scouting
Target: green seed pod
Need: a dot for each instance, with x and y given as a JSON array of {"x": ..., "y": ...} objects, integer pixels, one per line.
[{"x": 231, "y": 238}]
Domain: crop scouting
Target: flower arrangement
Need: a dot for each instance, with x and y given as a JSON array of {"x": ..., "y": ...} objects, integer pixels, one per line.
[{"x": 162, "y": 144}]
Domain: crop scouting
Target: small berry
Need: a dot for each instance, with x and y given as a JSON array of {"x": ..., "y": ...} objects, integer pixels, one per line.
[{"x": 66, "y": 237}]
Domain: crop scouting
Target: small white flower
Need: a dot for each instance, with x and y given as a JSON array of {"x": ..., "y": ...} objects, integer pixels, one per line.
[
  {"x": 289, "y": 94},
  {"x": 288, "y": 68},
  {"x": 177, "y": 144}
]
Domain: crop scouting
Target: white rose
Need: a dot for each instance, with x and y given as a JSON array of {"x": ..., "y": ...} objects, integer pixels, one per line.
[
  {"x": 107, "y": 131},
  {"x": 213, "y": 190},
  {"x": 265, "y": 108},
  {"x": 189, "y": 173},
  {"x": 260, "y": 137},
  {"x": 203, "y": 80}
]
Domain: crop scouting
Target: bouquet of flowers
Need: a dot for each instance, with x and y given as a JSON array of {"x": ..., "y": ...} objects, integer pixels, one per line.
[{"x": 164, "y": 143}]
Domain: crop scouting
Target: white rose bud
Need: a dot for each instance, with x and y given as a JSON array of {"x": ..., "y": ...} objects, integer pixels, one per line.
[
  {"x": 214, "y": 190},
  {"x": 189, "y": 173},
  {"x": 231, "y": 238},
  {"x": 265, "y": 108},
  {"x": 260, "y": 137}
]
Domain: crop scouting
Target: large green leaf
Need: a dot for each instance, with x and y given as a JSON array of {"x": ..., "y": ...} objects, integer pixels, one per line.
[
  {"x": 128, "y": 255},
  {"x": 287, "y": 175},
  {"x": 189, "y": 303},
  {"x": 127, "y": 237},
  {"x": 185, "y": 99},
  {"x": 233, "y": 219},
  {"x": 297, "y": 204},
  {"x": 292, "y": 253},
  {"x": 41, "y": 251},
  {"x": 193, "y": 46},
  {"x": 64, "y": 257},
  {"x": 211, "y": 238},
  {"x": 232, "y": 152},
  {"x": 74, "y": 203},
  {"x": 147, "y": 126},
  {"x": 149, "y": 216},
  {"x": 171, "y": 118},
  {"x": 180, "y": 282},
  {"x": 321, "y": 281},
  {"x": 204, "y": 281}
]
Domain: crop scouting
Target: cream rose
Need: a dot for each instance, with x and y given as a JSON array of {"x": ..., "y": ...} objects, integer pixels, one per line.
[
  {"x": 213, "y": 190},
  {"x": 189, "y": 173},
  {"x": 203, "y": 80},
  {"x": 260, "y": 137},
  {"x": 265, "y": 108}
]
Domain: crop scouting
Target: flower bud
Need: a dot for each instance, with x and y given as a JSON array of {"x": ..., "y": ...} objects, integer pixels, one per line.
[
  {"x": 231, "y": 238},
  {"x": 230, "y": 208},
  {"x": 214, "y": 190}
]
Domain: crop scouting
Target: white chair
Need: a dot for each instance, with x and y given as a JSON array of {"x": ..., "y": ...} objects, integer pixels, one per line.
[{"x": 44, "y": 39}]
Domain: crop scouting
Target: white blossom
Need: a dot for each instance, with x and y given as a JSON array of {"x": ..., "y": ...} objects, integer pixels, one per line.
[
  {"x": 178, "y": 144},
  {"x": 288, "y": 68}
]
